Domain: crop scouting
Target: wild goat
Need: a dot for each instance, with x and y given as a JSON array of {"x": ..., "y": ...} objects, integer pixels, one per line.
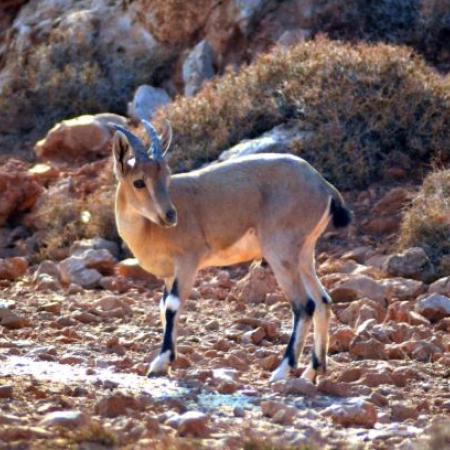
[{"x": 272, "y": 206}]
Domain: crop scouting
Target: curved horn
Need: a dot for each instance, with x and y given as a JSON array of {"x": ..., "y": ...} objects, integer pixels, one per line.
[
  {"x": 169, "y": 140},
  {"x": 155, "y": 149},
  {"x": 134, "y": 141}
]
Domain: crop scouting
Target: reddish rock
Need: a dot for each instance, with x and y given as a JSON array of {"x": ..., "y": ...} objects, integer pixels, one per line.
[
  {"x": 19, "y": 191},
  {"x": 80, "y": 139},
  {"x": 13, "y": 268},
  {"x": 374, "y": 379},
  {"x": 44, "y": 174},
  {"x": 359, "y": 414},
  {"x": 403, "y": 410},
  {"x": 11, "y": 320},
  {"x": 279, "y": 412},
  {"x": 270, "y": 362},
  {"x": 116, "y": 404},
  {"x": 358, "y": 286},
  {"x": 299, "y": 386},
  {"x": 403, "y": 288},
  {"x": 6, "y": 391},
  {"x": 236, "y": 362},
  {"x": 254, "y": 287},
  {"x": 367, "y": 349},
  {"x": 392, "y": 202},
  {"x": 191, "y": 424},
  {"x": 337, "y": 389},
  {"x": 340, "y": 339},
  {"x": 402, "y": 376}
]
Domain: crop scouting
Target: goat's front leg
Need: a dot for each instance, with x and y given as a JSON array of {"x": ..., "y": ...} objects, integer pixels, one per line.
[{"x": 170, "y": 308}]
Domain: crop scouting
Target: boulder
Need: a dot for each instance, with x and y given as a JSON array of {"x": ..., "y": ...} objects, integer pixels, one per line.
[
  {"x": 68, "y": 419},
  {"x": 13, "y": 268},
  {"x": 81, "y": 139},
  {"x": 403, "y": 288},
  {"x": 360, "y": 413},
  {"x": 19, "y": 191},
  {"x": 412, "y": 263},
  {"x": 79, "y": 247},
  {"x": 441, "y": 286},
  {"x": 191, "y": 424},
  {"x": 277, "y": 140},
  {"x": 146, "y": 102},
  {"x": 356, "y": 287},
  {"x": 434, "y": 307},
  {"x": 73, "y": 270},
  {"x": 117, "y": 404},
  {"x": 254, "y": 287},
  {"x": 198, "y": 67}
]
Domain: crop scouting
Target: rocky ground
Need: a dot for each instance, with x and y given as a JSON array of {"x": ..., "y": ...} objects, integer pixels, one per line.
[{"x": 73, "y": 358}]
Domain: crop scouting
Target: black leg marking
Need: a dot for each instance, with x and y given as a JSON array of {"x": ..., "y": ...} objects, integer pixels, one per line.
[
  {"x": 168, "y": 332},
  {"x": 174, "y": 290},
  {"x": 315, "y": 361},
  {"x": 165, "y": 294},
  {"x": 326, "y": 300},
  {"x": 298, "y": 313},
  {"x": 310, "y": 307}
]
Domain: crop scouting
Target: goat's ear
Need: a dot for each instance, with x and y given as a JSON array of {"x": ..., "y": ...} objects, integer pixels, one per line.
[{"x": 122, "y": 154}]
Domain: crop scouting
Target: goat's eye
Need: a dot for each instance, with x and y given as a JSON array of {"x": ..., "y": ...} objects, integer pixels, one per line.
[{"x": 139, "y": 184}]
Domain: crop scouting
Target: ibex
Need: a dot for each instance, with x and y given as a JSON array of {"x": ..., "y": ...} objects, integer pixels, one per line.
[{"x": 271, "y": 206}]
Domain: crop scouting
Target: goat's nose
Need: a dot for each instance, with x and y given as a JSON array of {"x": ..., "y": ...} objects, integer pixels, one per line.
[{"x": 171, "y": 216}]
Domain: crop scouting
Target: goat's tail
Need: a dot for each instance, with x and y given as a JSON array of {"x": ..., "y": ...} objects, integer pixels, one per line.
[{"x": 341, "y": 216}]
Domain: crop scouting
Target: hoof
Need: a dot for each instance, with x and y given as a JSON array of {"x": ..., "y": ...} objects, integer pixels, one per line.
[
  {"x": 309, "y": 374},
  {"x": 281, "y": 373},
  {"x": 160, "y": 365}
]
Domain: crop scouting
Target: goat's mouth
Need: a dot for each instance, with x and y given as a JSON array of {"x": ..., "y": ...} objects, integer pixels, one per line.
[{"x": 170, "y": 220}]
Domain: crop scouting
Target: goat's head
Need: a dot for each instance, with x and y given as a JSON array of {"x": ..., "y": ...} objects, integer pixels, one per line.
[{"x": 144, "y": 173}]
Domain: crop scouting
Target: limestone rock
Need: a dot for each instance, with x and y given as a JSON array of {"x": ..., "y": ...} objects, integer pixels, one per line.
[
  {"x": 434, "y": 307},
  {"x": 359, "y": 414},
  {"x": 198, "y": 67},
  {"x": 146, "y": 102}
]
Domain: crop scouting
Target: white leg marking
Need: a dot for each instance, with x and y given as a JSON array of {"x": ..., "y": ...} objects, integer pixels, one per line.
[
  {"x": 162, "y": 312},
  {"x": 281, "y": 373},
  {"x": 173, "y": 303},
  {"x": 160, "y": 365}
]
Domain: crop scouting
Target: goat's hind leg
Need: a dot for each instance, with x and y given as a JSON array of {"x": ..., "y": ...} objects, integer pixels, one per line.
[
  {"x": 322, "y": 317},
  {"x": 303, "y": 306}
]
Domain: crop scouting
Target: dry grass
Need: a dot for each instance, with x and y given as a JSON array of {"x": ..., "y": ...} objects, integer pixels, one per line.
[
  {"x": 426, "y": 223},
  {"x": 365, "y": 104}
]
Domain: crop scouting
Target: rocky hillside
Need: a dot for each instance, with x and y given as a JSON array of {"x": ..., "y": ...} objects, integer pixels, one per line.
[{"x": 357, "y": 88}]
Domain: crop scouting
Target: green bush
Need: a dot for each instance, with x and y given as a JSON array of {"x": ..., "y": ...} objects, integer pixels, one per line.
[
  {"x": 426, "y": 223},
  {"x": 367, "y": 105}
]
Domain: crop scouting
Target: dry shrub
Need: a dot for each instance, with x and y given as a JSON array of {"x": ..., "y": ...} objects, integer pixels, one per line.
[
  {"x": 423, "y": 24},
  {"x": 426, "y": 223},
  {"x": 61, "y": 220},
  {"x": 367, "y": 105}
]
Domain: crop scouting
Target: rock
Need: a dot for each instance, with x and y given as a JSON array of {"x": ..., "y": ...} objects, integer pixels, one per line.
[
  {"x": 277, "y": 140},
  {"x": 359, "y": 254},
  {"x": 359, "y": 414},
  {"x": 117, "y": 404},
  {"x": 11, "y": 320},
  {"x": 43, "y": 173},
  {"x": 47, "y": 267},
  {"x": 340, "y": 339},
  {"x": 19, "y": 191},
  {"x": 68, "y": 419},
  {"x": 402, "y": 410},
  {"x": 279, "y": 412},
  {"x": 337, "y": 389},
  {"x": 13, "y": 268},
  {"x": 441, "y": 286},
  {"x": 254, "y": 287},
  {"x": 6, "y": 391},
  {"x": 361, "y": 310},
  {"x": 299, "y": 386},
  {"x": 402, "y": 312},
  {"x": 270, "y": 362},
  {"x": 85, "y": 317},
  {"x": 191, "y": 424},
  {"x": 146, "y": 102},
  {"x": 254, "y": 336},
  {"x": 249, "y": 12},
  {"x": 46, "y": 282},
  {"x": 402, "y": 288},
  {"x": 412, "y": 263},
  {"x": 367, "y": 349},
  {"x": 73, "y": 270},
  {"x": 392, "y": 202},
  {"x": 198, "y": 67},
  {"x": 81, "y": 139},
  {"x": 293, "y": 37},
  {"x": 78, "y": 248},
  {"x": 382, "y": 225},
  {"x": 434, "y": 307},
  {"x": 236, "y": 363},
  {"x": 356, "y": 287},
  {"x": 101, "y": 260}
]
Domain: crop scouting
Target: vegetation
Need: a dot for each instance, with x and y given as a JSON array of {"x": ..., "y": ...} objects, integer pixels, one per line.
[
  {"x": 422, "y": 24},
  {"x": 367, "y": 106},
  {"x": 426, "y": 223}
]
